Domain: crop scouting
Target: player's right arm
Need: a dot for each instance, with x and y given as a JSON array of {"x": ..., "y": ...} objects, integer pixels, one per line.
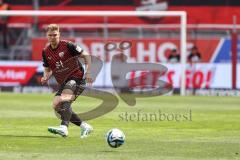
[
  {"x": 47, "y": 72},
  {"x": 46, "y": 75}
]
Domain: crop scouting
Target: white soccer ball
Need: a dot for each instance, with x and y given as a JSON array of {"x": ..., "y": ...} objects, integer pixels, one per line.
[{"x": 115, "y": 138}]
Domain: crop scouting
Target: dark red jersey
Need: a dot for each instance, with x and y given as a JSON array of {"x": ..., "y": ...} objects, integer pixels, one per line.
[{"x": 63, "y": 60}]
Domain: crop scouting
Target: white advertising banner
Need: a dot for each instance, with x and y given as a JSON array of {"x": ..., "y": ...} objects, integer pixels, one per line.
[{"x": 197, "y": 76}]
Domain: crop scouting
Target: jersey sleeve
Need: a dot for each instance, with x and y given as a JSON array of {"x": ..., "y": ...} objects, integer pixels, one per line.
[
  {"x": 75, "y": 50},
  {"x": 44, "y": 59}
]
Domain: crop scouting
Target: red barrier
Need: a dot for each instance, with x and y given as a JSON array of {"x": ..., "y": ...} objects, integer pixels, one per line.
[
  {"x": 16, "y": 74},
  {"x": 196, "y": 15}
]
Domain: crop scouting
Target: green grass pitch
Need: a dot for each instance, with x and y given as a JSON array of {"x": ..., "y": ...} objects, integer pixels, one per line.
[{"x": 211, "y": 131}]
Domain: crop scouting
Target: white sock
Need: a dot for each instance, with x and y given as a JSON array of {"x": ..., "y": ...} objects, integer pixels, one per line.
[
  {"x": 84, "y": 125},
  {"x": 64, "y": 127}
]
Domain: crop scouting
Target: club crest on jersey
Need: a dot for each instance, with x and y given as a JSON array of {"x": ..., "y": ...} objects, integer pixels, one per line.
[
  {"x": 61, "y": 54},
  {"x": 49, "y": 58}
]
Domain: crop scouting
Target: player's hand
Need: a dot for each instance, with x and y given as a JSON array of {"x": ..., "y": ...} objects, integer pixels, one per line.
[
  {"x": 89, "y": 80},
  {"x": 44, "y": 80}
]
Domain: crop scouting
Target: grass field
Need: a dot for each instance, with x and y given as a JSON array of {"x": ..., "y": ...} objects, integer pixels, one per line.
[{"x": 203, "y": 128}]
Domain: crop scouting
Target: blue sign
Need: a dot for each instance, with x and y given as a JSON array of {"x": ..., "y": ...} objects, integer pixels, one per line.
[{"x": 225, "y": 52}]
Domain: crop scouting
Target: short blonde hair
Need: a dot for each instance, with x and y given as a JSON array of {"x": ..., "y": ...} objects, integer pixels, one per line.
[{"x": 52, "y": 27}]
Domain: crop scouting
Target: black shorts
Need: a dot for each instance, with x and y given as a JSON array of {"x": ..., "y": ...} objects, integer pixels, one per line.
[{"x": 79, "y": 87}]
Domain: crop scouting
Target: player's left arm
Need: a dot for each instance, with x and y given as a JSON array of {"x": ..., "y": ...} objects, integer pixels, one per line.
[
  {"x": 78, "y": 51},
  {"x": 87, "y": 60}
]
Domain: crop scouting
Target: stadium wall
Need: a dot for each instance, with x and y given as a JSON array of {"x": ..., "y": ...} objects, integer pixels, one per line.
[{"x": 213, "y": 50}]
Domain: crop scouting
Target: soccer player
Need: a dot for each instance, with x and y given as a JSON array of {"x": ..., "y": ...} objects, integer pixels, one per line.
[{"x": 60, "y": 59}]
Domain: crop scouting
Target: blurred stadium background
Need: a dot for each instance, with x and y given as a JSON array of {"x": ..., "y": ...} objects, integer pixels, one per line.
[
  {"x": 212, "y": 28},
  {"x": 212, "y": 132}
]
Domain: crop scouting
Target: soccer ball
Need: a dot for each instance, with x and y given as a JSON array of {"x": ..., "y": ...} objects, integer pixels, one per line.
[{"x": 115, "y": 138}]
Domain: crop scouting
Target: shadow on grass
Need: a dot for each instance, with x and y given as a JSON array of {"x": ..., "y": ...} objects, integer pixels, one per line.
[
  {"x": 108, "y": 151},
  {"x": 26, "y": 136}
]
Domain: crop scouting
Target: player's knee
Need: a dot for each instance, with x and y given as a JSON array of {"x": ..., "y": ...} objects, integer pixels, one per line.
[
  {"x": 56, "y": 102},
  {"x": 67, "y": 97}
]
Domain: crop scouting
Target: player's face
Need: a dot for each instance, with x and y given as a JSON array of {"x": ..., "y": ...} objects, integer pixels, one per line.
[{"x": 53, "y": 37}]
